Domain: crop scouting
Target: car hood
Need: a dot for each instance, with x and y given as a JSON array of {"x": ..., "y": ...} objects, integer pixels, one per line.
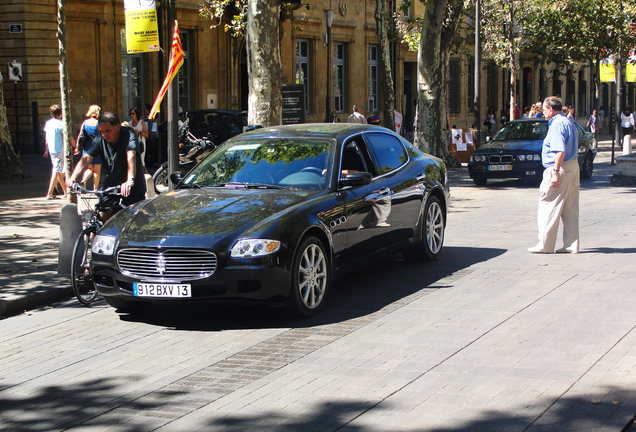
[
  {"x": 199, "y": 216},
  {"x": 511, "y": 145}
]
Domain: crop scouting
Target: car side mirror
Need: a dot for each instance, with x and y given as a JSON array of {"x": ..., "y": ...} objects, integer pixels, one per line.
[
  {"x": 356, "y": 179},
  {"x": 175, "y": 178}
]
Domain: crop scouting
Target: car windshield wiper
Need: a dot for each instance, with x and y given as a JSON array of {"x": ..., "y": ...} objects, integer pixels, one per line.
[
  {"x": 190, "y": 186},
  {"x": 249, "y": 185}
]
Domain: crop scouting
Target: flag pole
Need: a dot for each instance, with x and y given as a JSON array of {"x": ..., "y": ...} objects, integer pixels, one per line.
[{"x": 173, "y": 105}]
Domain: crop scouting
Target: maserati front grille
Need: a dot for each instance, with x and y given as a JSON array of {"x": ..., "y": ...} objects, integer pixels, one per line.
[{"x": 180, "y": 264}]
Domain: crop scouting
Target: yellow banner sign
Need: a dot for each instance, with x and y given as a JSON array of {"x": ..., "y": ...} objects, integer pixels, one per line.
[
  {"x": 608, "y": 72},
  {"x": 142, "y": 33},
  {"x": 630, "y": 72}
]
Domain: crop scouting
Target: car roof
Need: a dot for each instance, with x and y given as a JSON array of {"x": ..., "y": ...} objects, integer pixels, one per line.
[
  {"x": 213, "y": 110},
  {"x": 325, "y": 130}
]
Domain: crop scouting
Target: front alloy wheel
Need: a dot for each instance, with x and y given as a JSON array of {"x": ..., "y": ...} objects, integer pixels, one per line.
[{"x": 310, "y": 278}]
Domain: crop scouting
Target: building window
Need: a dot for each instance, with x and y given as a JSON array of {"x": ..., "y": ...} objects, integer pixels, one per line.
[
  {"x": 302, "y": 67},
  {"x": 339, "y": 77},
  {"x": 556, "y": 82},
  {"x": 184, "y": 73},
  {"x": 132, "y": 75},
  {"x": 373, "y": 79},
  {"x": 470, "y": 85},
  {"x": 492, "y": 89},
  {"x": 454, "y": 86},
  {"x": 406, "y": 8},
  {"x": 582, "y": 99}
]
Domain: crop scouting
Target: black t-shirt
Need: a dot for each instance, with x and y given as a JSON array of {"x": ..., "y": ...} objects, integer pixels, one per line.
[{"x": 115, "y": 161}]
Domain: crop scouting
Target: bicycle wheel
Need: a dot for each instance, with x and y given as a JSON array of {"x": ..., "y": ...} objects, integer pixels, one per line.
[{"x": 83, "y": 285}]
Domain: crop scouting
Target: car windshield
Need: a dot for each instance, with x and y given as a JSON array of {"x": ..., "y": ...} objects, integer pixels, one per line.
[
  {"x": 522, "y": 130},
  {"x": 267, "y": 162}
]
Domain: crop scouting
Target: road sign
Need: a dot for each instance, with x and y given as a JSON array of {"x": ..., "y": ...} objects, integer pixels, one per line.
[{"x": 15, "y": 71}]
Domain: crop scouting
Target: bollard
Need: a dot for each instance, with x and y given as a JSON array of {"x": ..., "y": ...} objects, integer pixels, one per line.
[
  {"x": 627, "y": 144},
  {"x": 70, "y": 229},
  {"x": 150, "y": 186}
]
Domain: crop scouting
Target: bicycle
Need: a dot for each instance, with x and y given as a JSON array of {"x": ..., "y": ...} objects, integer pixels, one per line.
[{"x": 81, "y": 276}]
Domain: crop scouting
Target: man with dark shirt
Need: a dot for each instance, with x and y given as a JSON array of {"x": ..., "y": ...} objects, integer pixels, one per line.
[{"x": 121, "y": 161}]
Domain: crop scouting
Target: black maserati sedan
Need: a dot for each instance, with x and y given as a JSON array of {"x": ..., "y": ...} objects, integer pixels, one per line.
[
  {"x": 515, "y": 152},
  {"x": 274, "y": 216}
]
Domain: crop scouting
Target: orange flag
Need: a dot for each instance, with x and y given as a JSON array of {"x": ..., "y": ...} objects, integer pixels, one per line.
[{"x": 176, "y": 60}]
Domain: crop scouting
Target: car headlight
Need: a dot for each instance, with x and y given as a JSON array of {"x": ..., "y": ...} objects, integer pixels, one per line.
[
  {"x": 478, "y": 158},
  {"x": 103, "y": 245},
  {"x": 522, "y": 158},
  {"x": 250, "y": 248}
]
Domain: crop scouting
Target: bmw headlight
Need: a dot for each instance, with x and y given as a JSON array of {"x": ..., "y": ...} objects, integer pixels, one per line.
[
  {"x": 522, "y": 157},
  {"x": 250, "y": 248},
  {"x": 103, "y": 244}
]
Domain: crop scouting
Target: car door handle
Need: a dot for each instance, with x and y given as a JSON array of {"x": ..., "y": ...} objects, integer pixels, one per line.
[
  {"x": 384, "y": 191},
  {"x": 420, "y": 177}
]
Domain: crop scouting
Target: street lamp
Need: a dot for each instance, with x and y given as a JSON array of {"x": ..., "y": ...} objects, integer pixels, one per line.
[{"x": 328, "y": 23}]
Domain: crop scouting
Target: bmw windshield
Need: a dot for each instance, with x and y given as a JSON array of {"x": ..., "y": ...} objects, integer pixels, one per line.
[{"x": 522, "y": 130}]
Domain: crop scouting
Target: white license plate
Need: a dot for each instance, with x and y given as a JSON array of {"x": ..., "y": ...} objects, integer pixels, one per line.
[
  {"x": 162, "y": 290},
  {"x": 499, "y": 167}
]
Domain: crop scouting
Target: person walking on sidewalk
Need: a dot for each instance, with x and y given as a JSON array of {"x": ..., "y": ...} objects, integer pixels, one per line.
[
  {"x": 121, "y": 162},
  {"x": 356, "y": 117},
  {"x": 54, "y": 132},
  {"x": 559, "y": 190}
]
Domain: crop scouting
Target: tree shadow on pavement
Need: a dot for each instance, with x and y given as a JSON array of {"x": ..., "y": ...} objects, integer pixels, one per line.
[
  {"x": 106, "y": 403},
  {"x": 587, "y": 413},
  {"x": 354, "y": 296},
  {"x": 59, "y": 407}
]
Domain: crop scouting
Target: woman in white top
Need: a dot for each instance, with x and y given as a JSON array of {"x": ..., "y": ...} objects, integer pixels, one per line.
[
  {"x": 142, "y": 132},
  {"x": 627, "y": 120}
]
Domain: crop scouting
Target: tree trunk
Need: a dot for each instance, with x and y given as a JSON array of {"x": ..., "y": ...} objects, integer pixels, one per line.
[
  {"x": 512, "y": 61},
  {"x": 386, "y": 78},
  {"x": 430, "y": 123},
  {"x": 64, "y": 92},
  {"x": 10, "y": 163},
  {"x": 263, "y": 63}
]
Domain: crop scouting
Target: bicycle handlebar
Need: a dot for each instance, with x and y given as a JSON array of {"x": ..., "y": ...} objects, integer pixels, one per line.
[{"x": 76, "y": 188}]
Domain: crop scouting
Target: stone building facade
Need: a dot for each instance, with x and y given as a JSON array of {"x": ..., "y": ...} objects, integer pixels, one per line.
[{"x": 215, "y": 70}]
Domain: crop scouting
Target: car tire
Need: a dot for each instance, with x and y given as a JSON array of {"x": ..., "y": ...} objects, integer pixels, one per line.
[
  {"x": 311, "y": 279},
  {"x": 588, "y": 166},
  {"x": 431, "y": 241},
  {"x": 480, "y": 180}
]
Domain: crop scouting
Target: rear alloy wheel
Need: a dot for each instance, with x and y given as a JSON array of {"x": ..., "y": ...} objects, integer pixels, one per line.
[
  {"x": 430, "y": 245},
  {"x": 310, "y": 279},
  {"x": 588, "y": 166}
]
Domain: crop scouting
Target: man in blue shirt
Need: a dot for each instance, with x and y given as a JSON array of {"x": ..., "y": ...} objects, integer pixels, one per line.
[
  {"x": 559, "y": 190},
  {"x": 121, "y": 162}
]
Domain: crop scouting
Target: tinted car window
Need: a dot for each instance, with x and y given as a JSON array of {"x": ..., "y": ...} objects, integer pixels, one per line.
[
  {"x": 522, "y": 130},
  {"x": 388, "y": 150}
]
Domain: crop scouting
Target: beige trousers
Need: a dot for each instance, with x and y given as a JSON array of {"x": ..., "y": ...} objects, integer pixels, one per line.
[{"x": 560, "y": 203}]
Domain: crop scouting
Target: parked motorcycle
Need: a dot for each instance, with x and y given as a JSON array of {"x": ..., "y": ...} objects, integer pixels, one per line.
[{"x": 191, "y": 151}]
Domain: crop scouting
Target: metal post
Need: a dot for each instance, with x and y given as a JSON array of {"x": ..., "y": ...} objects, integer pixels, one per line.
[
  {"x": 477, "y": 101},
  {"x": 36, "y": 127},
  {"x": 16, "y": 146},
  {"x": 618, "y": 132},
  {"x": 328, "y": 23}
]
